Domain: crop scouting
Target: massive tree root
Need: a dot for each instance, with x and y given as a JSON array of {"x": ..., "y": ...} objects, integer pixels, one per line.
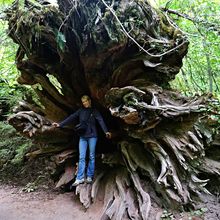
[{"x": 123, "y": 54}]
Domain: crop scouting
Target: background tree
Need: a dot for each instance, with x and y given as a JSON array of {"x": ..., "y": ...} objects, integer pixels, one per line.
[
  {"x": 10, "y": 91},
  {"x": 199, "y": 21}
]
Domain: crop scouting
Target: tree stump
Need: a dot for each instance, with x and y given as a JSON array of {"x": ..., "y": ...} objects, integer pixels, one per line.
[{"x": 123, "y": 54}]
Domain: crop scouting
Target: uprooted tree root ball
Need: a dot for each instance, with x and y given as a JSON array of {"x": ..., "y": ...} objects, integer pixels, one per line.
[{"x": 123, "y": 54}]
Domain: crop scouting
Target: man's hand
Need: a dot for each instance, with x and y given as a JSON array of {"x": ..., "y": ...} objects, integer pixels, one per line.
[
  {"x": 108, "y": 135},
  {"x": 56, "y": 125}
]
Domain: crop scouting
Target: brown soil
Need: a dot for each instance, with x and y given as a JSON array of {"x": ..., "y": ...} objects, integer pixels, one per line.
[
  {"x": 16, "y": 204},
  {"x": 43, "y": 205}
]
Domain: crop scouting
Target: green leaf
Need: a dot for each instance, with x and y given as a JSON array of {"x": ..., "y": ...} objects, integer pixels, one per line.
[{"x": 61, "y": 40}]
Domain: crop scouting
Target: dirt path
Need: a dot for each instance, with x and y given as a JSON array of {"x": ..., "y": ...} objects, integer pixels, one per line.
[
  {"x": 54, "y": 205},
  {"x": 17, "y": 205}
]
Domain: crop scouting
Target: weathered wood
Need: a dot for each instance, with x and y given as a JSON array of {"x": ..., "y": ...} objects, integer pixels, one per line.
[
  {"x": 38, "y": 127},
  {"x": 84, "y": 191},
  {"x": 45, "y": 151},
  {"x": 67, "y": 176},
  {"x": 61, "y": 157}
]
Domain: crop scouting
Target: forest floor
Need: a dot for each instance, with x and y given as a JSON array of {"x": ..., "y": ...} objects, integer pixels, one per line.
[
  {"x": 15, "y": 204},
  {"x": 49, "y": 204}
]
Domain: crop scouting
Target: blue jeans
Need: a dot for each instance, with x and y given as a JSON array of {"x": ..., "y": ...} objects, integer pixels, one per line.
[{"x": 83, "y": 144}]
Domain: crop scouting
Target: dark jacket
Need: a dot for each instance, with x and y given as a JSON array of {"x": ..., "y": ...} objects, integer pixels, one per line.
[{"x": 83, "y": 114}]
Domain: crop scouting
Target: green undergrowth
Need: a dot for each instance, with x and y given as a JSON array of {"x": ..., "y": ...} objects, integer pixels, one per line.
[
  {"x": 194, "y": 214},
  {"x": 13, "y": 147},
  {"x": 15, "y": 168}
]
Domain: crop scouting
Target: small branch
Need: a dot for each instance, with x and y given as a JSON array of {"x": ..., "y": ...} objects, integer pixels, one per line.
[
  {"x": 183, "y": 15},
  {"x": 194, "y": 20},
  {"x": 67, "y": 17}
]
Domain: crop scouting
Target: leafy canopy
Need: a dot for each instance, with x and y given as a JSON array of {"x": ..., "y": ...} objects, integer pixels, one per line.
[{"x": 199, "y": 19}]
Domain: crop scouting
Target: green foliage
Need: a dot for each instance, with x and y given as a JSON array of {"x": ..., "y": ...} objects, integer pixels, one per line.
[
  {"x": 199, "y": 212},
  {"x": 61, "y": 40},
  {"x": 10, "y": 91},
  {"x": 6, "y": 2},
  {"x": 12, "y": 146},
  {"x": 7, "y": 57},
  {"x": 200, "y": 72},
  {"x": 30, "y": 187},
  {"x": 19, "y": 153},
  {"x": 168, "y": 215}
]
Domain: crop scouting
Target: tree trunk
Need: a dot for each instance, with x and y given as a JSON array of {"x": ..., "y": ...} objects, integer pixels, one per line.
[{"x": 123, "y": 54}]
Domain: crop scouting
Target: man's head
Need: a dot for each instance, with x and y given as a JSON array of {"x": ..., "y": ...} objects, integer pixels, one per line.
[{"x": 86, "y": 101}]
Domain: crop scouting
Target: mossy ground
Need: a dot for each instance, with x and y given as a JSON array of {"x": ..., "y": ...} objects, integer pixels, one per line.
[{"x": 15, "y": 168}]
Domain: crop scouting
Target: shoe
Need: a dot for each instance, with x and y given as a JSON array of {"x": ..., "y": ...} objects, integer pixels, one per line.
[
  {"x": 77, "y": 182},
  {"x": 88, "y": 179}
]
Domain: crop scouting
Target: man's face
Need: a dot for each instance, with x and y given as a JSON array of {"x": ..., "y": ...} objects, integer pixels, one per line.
[{"x": 86, "y": 103}]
